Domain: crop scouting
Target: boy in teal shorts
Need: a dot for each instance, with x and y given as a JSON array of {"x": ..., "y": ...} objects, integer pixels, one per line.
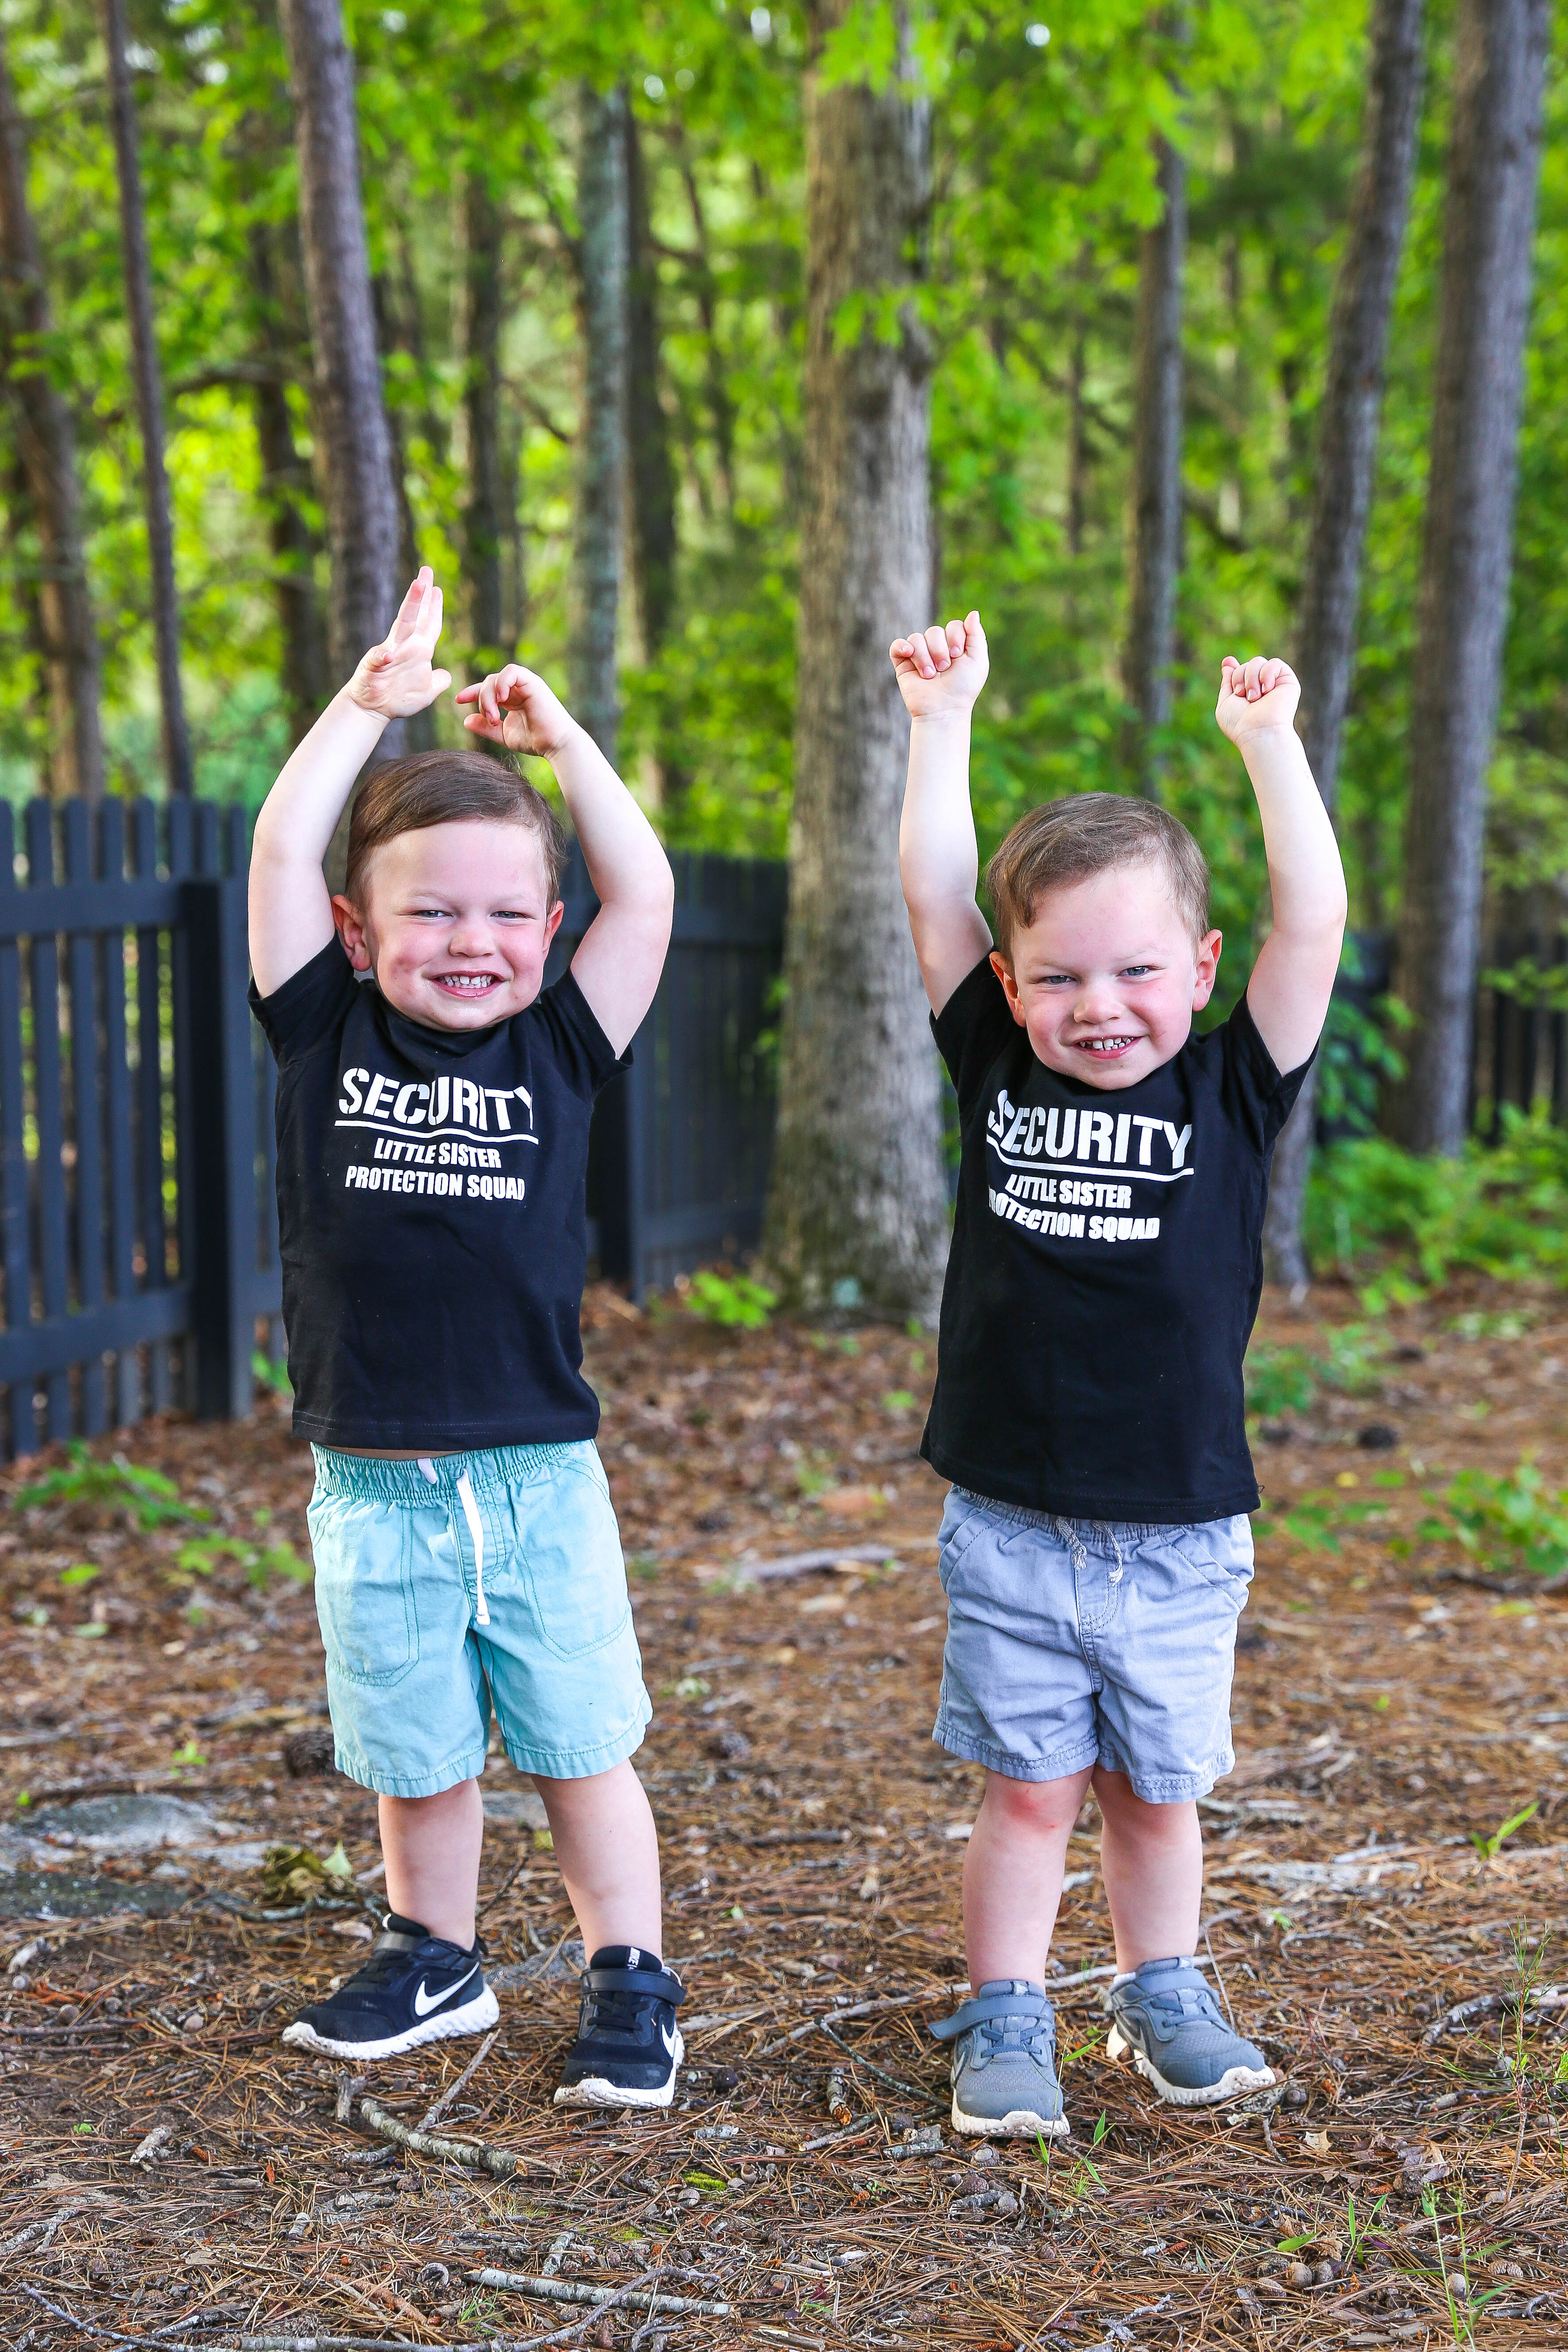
[
  {"x": 1104, "y": 1275},
  {"x": 432, "y": 1109}
]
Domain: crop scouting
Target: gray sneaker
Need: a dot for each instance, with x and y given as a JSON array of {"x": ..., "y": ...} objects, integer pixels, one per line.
[
  {"x": 1166, "y": 2016},
  {"x": 1005, "y": 2081}
]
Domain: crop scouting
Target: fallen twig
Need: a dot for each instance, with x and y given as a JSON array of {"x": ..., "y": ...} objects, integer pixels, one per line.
[
  {"x": 799, "y": 1837},
  {"x": 477, "y": 2154},
  {"x": 433, "y": 2115},
  {"x": 802, "y": 1563},
  {"x": 556, "y": 2290},
  {"x": 838, "y": 2017}
]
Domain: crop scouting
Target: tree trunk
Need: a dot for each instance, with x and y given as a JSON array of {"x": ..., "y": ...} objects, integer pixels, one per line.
[
  {"x": 1156, "y": 474},
  {"x": 360, "y": 489},
  {"x": 1494, "y": 159},
  {"x": 285, "y": 485},
  {"x": 46, "y": 445},
  {"x": 484, "y": 512},
  {"x": 1346, "y": 457},
  {"x": 648, "y": 429},
  {"x": 721, "y": 407},
  {"x": 602, "y": 262},
  {"x": 858, "y": 1210},
  {"x": 148, "y": 401}
]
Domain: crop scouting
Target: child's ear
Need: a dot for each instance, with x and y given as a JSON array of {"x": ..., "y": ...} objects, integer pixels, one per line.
[
  {"x": 1003, "y": 972},
  {"x": 351, "y": 930},
  {"x": 1206, "y": 965}
]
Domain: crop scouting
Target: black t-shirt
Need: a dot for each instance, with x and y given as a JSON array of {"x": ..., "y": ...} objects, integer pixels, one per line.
[
  {"x": 1106, "y": 1264},
  {"x": 432, "y": 1214}
]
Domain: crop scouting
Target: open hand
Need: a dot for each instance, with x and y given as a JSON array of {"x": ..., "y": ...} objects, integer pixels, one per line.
[
  {"x": 515, "y": 708},
  {"x": 940, "y": 671},
  {"x": 1255, "y": 698},
  {"x": 397, "y": 678}
]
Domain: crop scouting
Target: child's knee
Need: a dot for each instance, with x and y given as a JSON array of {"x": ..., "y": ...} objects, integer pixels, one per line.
[{"x": 1040, "y": 1805}]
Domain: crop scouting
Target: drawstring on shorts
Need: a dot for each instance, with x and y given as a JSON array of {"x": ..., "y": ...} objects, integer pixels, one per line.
[{"x": 475, "y": 1529}]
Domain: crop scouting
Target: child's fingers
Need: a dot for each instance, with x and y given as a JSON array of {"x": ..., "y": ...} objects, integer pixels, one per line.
[
  {"x": 899, "y": 651},
  {"x": 936, "y": 647},
  {"x": 954, "y": 633},
  {"x": 467, "y": 694},
  {"x": 440, "y": 679},
  {"x": 920, "y": 656},
  {"x": 973, "y": 634}
]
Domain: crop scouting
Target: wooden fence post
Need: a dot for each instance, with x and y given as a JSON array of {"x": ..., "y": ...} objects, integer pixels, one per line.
[{"x": 212, "y": 1020}]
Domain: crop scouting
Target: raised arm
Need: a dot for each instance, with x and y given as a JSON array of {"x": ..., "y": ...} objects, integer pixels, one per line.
[
  {"x": 1294, "y": 975},
  {"x": 622, "y": 952},
  {"x": 291, "y": 906},
  {"x": 940, "y": 674}
]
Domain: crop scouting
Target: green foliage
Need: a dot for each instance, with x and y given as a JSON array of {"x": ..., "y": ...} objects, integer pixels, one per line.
[
  {"x": 149, "y": 1499},
  {"x": 734, "y": 1300},
  {"x": 1385, "y": 1216},
  {"x": 293, "y": 1874},
  {"x": 270, "y": 1375},
  {"x": 261, "y": 1561},
  {"x": 1509, "y": 1520},
  {"x": 1489, "y": 1844},
  {"x": 1280, "y": 1381}
]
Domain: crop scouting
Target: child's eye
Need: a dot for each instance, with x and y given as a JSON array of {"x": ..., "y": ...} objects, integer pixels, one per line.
[{"x": 1136, "y": 970}]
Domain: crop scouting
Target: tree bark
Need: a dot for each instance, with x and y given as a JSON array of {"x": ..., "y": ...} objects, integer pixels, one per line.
[
  {"x": 358, "y": 481},
  {"x": 46, "y": 445},
  {"x": 602, "y": 265},
  {"x": 721, "y": 407},
  {"x": 285, "y": 482},
  {"x": 647, "y": 428},
  {"x": 1494, "y": 158},
  {"x": 484, "y": 513},
  {"x": 857, "y": 1212},
  {"x": 148, "y": 402},
  {"x": 1346, "y": 457},
  {"x": 1156, "y": 474}
]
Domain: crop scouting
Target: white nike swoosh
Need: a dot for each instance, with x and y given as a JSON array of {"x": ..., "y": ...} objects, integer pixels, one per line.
[
  {"x": 668, "y": 2039},
  {"x": 422, "y": 2006}
]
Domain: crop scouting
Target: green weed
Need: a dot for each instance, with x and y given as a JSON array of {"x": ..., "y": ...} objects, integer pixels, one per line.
[
  {"x": 1488, "y": 1844},
  {"x": 734, "y": 1300},
  {"x": 261, "y": 1562},
  {"x": 1280, "y": 1381},
  {"x": 1409, "y": 1222},
  {"x": 152, "y": 1500},
  {"x": 83, "y": 1573},
  {"x": 1510, "y": 1519},
  {"x": 898, "y": 1401},
  {"x": 270, "y": 1375}
]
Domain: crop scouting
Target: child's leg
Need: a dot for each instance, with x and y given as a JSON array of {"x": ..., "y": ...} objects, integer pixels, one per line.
[
  {"x": 431, "y": 1849},
  {"x": 607, "y": 1848},
  {"x": 1151, "y": 1859},
  {"x": 1013, "y": 1874}
]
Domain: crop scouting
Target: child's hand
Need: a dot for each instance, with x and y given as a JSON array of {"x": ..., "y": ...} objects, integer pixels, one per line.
[
  {"x": 1255, "y": 698},
  {"x": 941, "y": 672},
  {"x": 518, "y": 710},
  {"x": 396, "y": 678}
]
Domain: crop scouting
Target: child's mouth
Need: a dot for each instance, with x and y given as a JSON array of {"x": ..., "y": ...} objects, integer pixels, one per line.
[
  {"x": 1106, "y": 1048},
  {"x": 466, "y": 983}
]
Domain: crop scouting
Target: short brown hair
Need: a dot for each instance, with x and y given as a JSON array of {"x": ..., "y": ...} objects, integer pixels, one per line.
[
  {"x": 444, "y": 788},
  {"x": 1072, "y": 840}
]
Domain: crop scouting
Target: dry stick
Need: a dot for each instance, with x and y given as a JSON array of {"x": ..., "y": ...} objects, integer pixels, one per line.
[
  {"x": 553, "y": 2290},
  {"x": 839, "y": 2016},
  {"x": 1219, "y": 1979},
  {"x": 434, "y": 2114},
  {"x": 928, "y": 2098},
  {"x": 478, "y": 2155}
]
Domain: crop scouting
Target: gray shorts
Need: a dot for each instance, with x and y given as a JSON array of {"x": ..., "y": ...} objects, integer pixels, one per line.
[{"x": 1071, "y": 1643}]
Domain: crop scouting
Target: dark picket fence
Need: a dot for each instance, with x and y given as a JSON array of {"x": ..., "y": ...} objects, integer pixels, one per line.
[
  {"x": 138, "y": 1232},
  {"x": 1522, "y": 1032}
]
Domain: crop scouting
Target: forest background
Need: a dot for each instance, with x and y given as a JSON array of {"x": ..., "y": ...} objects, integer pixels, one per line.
[{"x": 487, "y": 136}]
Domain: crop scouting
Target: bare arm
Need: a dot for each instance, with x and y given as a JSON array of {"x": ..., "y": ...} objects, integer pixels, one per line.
[
  {"x": 621, "y": 954},
  {"x": 1294, "y": 975},
  {"x": 291, "y": 907},
  {"x": 940, "y": 674}
]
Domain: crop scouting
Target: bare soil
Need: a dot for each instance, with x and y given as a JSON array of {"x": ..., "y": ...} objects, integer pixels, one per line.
[{"x": 1408, "y": 2185}]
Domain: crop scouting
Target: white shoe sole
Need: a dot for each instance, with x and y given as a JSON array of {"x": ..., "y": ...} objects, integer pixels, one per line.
[
  {"x": 1234, "y": 2083},
  {"x": 598, "y": 2091},
  {"x": 444, "y": 2026},
  {"x": 1019, "y": 2123}
]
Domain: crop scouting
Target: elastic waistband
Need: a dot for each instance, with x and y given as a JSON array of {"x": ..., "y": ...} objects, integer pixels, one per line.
[
  {"x": 357, "y": 1478},
  {"x": 1092, "y": 1534}
]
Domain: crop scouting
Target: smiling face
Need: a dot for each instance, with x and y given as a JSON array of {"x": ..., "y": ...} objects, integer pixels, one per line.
[
  {"x": 1107, "y": 976},
  {"x": 455, "y": 922}
]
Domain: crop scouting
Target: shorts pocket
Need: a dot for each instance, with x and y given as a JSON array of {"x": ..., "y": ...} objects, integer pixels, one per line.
[
  {"x": 364, "y": 1590},
  {"x": 1220, "y": 1551},
  {"x": 961, "y": 1522},
  {"x": 569, "y": 1549}
]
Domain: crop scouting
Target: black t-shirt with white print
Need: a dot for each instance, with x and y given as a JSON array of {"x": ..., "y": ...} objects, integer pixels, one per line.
[
  {"x": 1106, "y": 1264},
  {"x": 432, "y": 1214}
]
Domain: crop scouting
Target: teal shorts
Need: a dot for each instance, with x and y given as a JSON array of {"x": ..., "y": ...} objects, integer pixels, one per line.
[{"x": 467, "y": 1583}]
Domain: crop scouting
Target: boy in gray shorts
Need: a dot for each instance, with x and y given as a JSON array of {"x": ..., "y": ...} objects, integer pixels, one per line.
[{"x": 1104, "y": 1276}]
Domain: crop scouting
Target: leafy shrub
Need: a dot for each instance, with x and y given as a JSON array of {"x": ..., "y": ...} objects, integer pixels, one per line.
[
  {"x": 732, "y": 1299},
  {"x": 261, "y": 1561},
  {"x": 1378, "y": 1211},
  {"x": 1280, "y": 1381},
  {"x": 1509, "y": 1520},
  {"x": 152, "y": 1500}
]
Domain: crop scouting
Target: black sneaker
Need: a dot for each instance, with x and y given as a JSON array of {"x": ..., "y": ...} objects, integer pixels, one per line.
[
  {"x": 414, "y": 1987},
  {"x": 628, "y": 2045}
]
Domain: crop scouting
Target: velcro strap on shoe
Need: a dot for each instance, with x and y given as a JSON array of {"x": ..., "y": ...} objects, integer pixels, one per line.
[
  {"x": 657, "y": 1984},
  {"x": 987, "y": 2007}
]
